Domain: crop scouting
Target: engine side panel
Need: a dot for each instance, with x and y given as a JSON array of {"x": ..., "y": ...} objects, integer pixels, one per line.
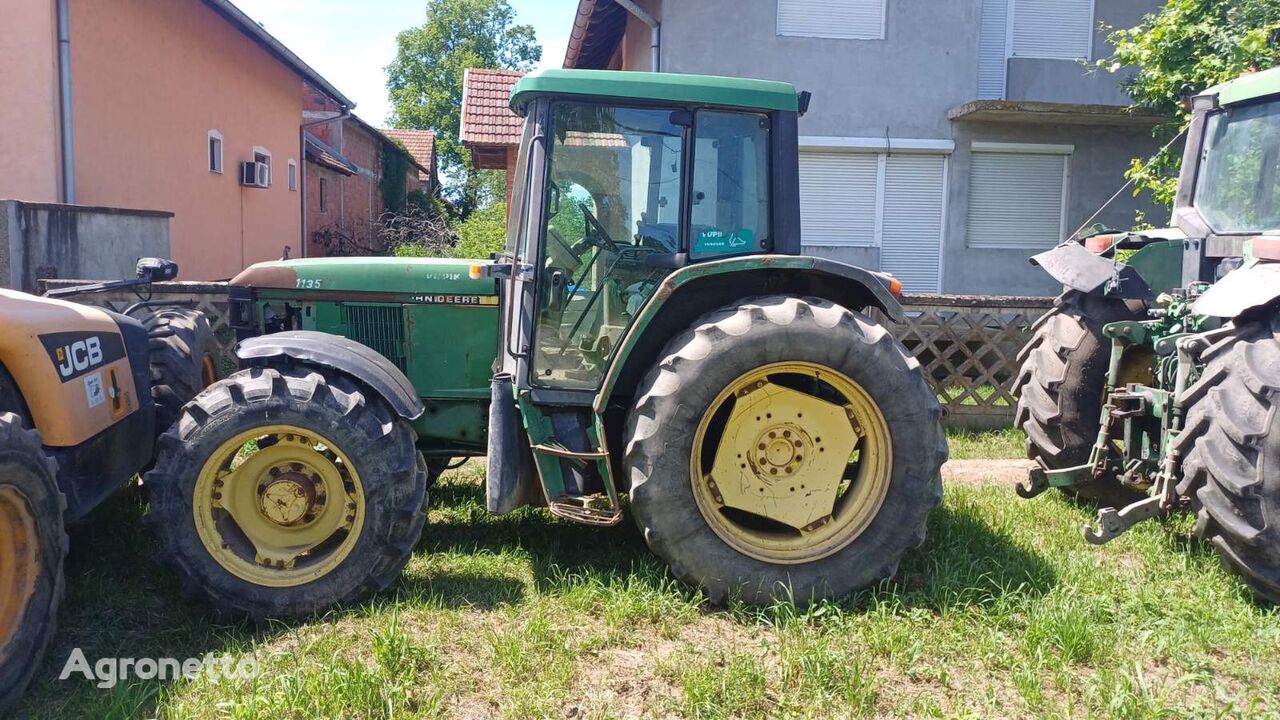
[{"x": 71, "y": 365}]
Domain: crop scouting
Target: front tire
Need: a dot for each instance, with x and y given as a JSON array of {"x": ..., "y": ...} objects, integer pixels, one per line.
[
  {"x": 33, "y": 548},
  {"x": 284, "y": 492},
  {"x": 182, "y": 353},
  {"x": 1231, "y": 453},
  {"x": 1060, "y": 386},
  {"x": 731, "y": 446}
]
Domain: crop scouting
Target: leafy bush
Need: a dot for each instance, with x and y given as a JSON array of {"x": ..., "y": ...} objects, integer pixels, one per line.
[{"x": 483, "y": 232}]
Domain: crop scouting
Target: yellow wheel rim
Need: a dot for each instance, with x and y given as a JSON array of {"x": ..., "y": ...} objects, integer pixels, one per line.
[
  {"x": 208, "y": 371},
  {"x": 791, "y": 462},
  {"x": 279, "y": 506},
  {"x": 19, "y": 562}
]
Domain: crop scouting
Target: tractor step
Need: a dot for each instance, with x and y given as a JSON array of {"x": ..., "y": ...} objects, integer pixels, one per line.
[{"x": 597, "y": 509}]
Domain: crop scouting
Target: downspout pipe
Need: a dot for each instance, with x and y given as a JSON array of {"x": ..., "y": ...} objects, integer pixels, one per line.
[
  {"x": 302, "y": 165},
  {"x": 64, "y": 105},
  {"x": 655, "y": 32}
]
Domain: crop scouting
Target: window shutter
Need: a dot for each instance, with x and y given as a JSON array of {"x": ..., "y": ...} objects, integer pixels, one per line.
[
  {"x": 1015, "y": 200},
  {"x": 838, "y": 198},
  {"x": 1055, "y": 29},
  {"x": 850, "y": 19},
  {"x": 911, "y": 242},
  {"x": 992, "y": 41}
]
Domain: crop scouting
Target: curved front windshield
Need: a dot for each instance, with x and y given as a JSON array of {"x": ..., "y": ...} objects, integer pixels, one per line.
[{"x": 1238, "y": 188}]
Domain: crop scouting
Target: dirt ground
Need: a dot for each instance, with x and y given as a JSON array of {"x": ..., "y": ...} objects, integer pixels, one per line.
[{"x": 977, "y": 473}]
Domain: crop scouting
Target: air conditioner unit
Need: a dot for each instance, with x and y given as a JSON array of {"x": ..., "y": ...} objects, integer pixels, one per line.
[{"x": 255, "y": 174}]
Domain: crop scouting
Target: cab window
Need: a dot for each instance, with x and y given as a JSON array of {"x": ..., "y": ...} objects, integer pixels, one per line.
[
  {"x": 613, "y": 200},
  {"x": 729, "y": 206}
]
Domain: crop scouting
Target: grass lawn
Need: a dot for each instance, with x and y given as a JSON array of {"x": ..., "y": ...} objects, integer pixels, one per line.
[{"x": 1005, "y": 612}]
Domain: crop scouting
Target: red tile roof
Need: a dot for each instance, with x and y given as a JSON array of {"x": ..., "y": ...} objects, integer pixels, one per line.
[
  {"x": 421, "y": 144},
  {"x": 486, "y": 113}
]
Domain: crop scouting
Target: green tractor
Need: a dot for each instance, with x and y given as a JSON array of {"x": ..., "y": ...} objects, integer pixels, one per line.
[
  {"x": 650, "y": 331},
  {"x": 1154, "y": 383}
]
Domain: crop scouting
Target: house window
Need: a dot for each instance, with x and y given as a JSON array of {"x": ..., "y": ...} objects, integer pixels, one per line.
[
  {"x": 1053, "y": 29},
  {"x": 263, "y": 156},
  {"x": 324, "y": 195},
  {"x": 888, "y": 200},
  {"x": 1017, "y": 195},
  {"x": 293, "y": 174},
  {"x": 847, "y": 19},
  {"x": 215, "y": 151}
]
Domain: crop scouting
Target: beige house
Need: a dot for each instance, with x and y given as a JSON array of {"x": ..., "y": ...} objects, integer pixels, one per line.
[{"x": 159, "y": 105}]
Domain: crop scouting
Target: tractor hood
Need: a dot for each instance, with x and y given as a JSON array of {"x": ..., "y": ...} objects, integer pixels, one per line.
[{"x": 366, "y": 274}]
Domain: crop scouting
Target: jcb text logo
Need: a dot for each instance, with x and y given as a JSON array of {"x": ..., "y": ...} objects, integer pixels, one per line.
[
  {"x": 79, "y": 355},
  {"x": 75, "y": 353}
]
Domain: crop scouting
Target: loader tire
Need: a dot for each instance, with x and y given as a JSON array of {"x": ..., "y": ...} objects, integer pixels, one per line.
[
  {"x": 787, "y": 384},
  {"x": 1231, "y": 453},
  {"x": 183, "y": 359},
  {"x": 1060, "y": 387},
  {"x": 33, "y": 548},
  {"x": 283, "y": 492}
]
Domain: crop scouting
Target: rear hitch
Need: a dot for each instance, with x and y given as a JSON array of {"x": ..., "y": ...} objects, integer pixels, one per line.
[{"x": 1112, "y": 522}]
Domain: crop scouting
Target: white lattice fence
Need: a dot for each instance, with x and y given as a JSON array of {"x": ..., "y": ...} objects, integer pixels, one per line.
[{"x": 968, "y": 347}]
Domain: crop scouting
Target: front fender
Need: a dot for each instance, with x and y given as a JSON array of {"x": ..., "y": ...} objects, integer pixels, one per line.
[
  {"x": 337, "y": 353},
  {"x": 1240, "y": 290}
]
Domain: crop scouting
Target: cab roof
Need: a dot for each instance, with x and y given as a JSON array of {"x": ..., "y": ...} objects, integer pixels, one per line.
[
  {"x": 1249, "y": 86},
  {"x": 661, "y": 87}
]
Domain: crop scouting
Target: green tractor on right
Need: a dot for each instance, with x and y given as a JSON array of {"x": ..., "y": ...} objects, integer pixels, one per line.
[{"x": 1154, "y": 382}]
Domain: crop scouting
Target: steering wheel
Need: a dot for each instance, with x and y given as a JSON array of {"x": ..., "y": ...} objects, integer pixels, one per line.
[{"x": 596, "y": 234}]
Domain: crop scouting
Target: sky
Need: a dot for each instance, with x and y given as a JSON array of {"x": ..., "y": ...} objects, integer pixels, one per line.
[{"x": 350, "y": 42}]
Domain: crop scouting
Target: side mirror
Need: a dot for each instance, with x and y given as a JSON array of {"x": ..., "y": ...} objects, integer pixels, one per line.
[{"x": 154, "y": 269}]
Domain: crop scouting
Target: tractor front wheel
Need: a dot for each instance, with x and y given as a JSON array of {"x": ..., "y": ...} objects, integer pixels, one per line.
[
  {"x": 285, "y": 492},
  {"x": 1231, "y": 452},
  {"x": 183, "y": 359},
  {"x": 784, "y": 447},
  {"x": 33, "y": 546}
]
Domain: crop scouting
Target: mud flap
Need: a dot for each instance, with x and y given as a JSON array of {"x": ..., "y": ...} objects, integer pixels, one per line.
[{"x": 503, "y": 478}]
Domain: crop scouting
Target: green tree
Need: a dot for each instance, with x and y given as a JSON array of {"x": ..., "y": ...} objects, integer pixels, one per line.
[
  {"x": 425, "y": 79},
  {"x": 1185, "y": 47}
]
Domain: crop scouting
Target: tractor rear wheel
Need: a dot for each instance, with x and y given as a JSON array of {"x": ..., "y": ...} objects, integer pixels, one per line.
[
  {"x": 33, "y": 547},
  {"x": 784, "y": 447},
  {"x": 284, "y": 492},
  {"x": 183, "y": 359},
  {"x": 1060, "y": 387},
  {"x": 1231, "y": 452}
]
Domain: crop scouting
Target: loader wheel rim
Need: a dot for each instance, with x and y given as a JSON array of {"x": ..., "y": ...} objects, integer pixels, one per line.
[
  {"x": 791, "y": 462},
  {"x": 208, "y": 371},
  {"x": 19, "y": 562},
  {"x": 279, "y": 506}
]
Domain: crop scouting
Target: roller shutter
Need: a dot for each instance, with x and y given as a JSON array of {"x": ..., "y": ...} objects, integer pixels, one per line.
[
  {"x": 1015, "y": 199},
  {"x": 849, "y": 19},
  {"x": 911, "y": 238}
]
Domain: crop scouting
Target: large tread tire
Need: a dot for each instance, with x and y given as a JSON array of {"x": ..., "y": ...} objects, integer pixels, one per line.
[
  {"x": 26, "y": 469},
  {"x": 719, "y": 347},
  {"x": 183, "y": 358},
  {"x": 1231, "y": 452},
  {"x": 1060, "y": 387},
  {"x": 380, "y": 445}
]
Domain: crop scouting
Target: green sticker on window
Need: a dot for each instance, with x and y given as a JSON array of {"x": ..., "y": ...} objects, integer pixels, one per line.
[{"x": 724, "y": 242}]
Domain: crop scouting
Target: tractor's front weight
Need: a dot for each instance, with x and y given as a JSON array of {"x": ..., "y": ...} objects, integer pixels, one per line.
[{"x": 1149, "y": 419}]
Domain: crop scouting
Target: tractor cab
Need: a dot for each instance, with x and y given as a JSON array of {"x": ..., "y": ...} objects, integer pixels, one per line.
[{"x": 623, "y": 179}]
